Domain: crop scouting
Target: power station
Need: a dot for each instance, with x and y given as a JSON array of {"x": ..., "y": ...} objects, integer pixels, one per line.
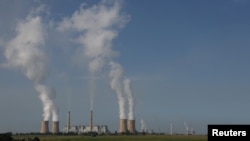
[
  {"x": 45, "y": 127},
  {"x": 81, "y": 129},
  {"x": 126, "y": 126}
]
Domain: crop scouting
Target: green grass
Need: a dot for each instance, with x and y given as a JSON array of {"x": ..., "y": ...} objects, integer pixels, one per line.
[{"x": 115, "y": 138}]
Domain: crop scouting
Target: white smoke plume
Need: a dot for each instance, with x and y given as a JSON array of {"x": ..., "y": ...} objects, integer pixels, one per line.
[
  {"x": 47, "y": 94},
  {"x": 116, "y": 75},
  {"x": 97, "y": 27},
  {"x": 144, "y": 127},
  {"x": 186, "y": 127},
  {"x": 128, "y": 92},
  {"x": 23, "y": 53}
]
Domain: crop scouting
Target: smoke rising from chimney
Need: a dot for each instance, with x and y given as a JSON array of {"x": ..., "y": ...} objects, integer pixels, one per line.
[
  {"x": 186, "y": 128},
  {"x": 144, "y": 127},
  {"x": 47, "y": 94},
  {"x": 116, "y": 75},
  {"x": 23, "y": 53},
  {"x": 97, "y": 27},
  {"x": 127, "y": 91}
]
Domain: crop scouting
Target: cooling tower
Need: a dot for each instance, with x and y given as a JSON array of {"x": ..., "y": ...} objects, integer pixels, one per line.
[
  {"x": 45, "y": 127},
  {"x": 55, "y": 127},
  {"x": 131, "y": 126},
  {"x": 123, "y": 126}
]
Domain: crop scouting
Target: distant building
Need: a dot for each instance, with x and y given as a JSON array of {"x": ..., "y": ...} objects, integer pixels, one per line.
[{"x": 102, "y": 129}]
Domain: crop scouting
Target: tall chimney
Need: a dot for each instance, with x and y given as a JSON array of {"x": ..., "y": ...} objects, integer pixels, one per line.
[
  {"x": 91, "y": 121},
  {"x": 123, "y": 126},
  {"x": 55, "y": 127},
  {"x": 131, "y": 126},
  {"x": 44, "y": 127},
  {"x": 68, "y": 122}
]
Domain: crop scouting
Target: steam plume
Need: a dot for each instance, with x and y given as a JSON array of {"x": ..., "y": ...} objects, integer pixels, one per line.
[
  {"x": 143, "y": 126},
  {"x": 23, "y": 53},
  {"x": 116, "y": 75},
  {"x": 97, "y": 27},
  {"x": 127, "y": 91},
  {"x": 186, "y": 127}
]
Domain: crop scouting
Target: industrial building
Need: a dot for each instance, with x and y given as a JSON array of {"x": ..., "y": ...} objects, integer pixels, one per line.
[
  {"x": 99, "y": 129},
  {"x": 126, "y": 126}
]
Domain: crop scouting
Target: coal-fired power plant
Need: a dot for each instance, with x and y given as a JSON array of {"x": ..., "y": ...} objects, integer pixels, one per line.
[
  {"x": 123, "y": 126},
  {"x": 44, "y": 127},
  {"x": 131, "y": 126},
  {"x": 55, "y": 127},
  {"x": 24, "y": 53}
]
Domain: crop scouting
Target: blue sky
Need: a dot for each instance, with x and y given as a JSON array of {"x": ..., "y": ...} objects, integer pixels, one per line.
[{"x": 187, "y": 61}]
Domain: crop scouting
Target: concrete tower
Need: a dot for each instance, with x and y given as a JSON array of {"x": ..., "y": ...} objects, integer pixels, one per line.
[
  {"x": 91, "y": 121},
  {"x": 131, "y": 126},
  {"x": 44, "y": 127},
  {"x": 123, "y": 126},
  {"x": 55, "y": 127}
]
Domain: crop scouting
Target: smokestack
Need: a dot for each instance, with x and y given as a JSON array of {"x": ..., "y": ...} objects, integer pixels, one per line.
[
  {"x": 91, "y": 121},
  {"x": 45, "y": 127},
  {"x": 131, "y": 126},
  {"x": 55, "y": 127},
  {"x": 68, "y": 122},
  {"x": 123, "y": 126}
]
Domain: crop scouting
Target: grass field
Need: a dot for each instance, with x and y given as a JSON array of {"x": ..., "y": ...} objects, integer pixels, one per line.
[{"x": 114, "y": 138}]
